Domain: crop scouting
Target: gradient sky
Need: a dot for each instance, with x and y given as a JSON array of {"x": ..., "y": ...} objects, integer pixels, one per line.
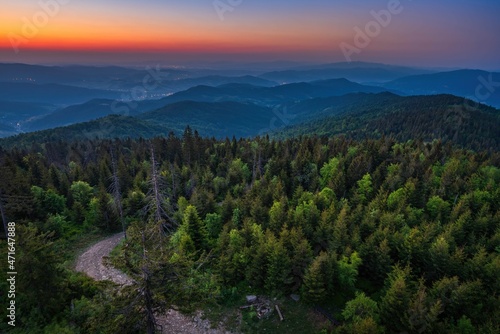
[{"x": 430, "y": 33}]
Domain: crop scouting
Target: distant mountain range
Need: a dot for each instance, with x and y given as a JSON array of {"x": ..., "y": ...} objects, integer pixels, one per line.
[
  {"x": 479, "y": 86},
  {"x": 316, "y": 100},
  {"x": 51, "y": 93},
  {"x": 83, "y": 76},
  {"x": 79, "y": 113},
  {"x": 354, "y": 71},
  {"x": 360, "y": 115},
  {"x": 269, "y": 96},
  {"x": 243, "y": 93}
]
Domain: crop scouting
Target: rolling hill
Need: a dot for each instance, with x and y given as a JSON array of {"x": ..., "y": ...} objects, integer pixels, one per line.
[
  {"x": 446, "y": 117},
  {"x": 217, "y": 119},
  {"x": 235, "y": 92},
  {"x": 15, "y": 112},
  {"x": 215, "y": 80},
  {"x": 354, "y": 71},
  {"x": 477, "y": 85},
  {"x": 74, "y": 114},
  {"x": 114, "y": 126},
  {"x": 121, "y": 78},
  {"x": 51, "y": 93},
  {"x": 83, "y": 76},
  {"x": 360, "y": 115},
  {"x": 269, "y": 96}
]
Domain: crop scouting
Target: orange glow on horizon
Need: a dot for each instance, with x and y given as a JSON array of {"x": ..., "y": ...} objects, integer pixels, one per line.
[
  {"x": 73, "y": 42},
  {"x": 73, "y": 32}
]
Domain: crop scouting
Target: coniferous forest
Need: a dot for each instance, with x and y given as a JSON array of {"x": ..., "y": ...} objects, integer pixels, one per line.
[{"x": 380, "y": 235}]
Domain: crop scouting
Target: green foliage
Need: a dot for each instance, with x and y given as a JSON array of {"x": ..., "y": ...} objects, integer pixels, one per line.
[
  {"x": 365, "y": 188},
  {"x": 396, "y": 199},
  {"x": 464, "y": 326},
  {"x": 258, "y": 214},
  {"x": 317, "y": 279},
  {"x": 328, "y": 172},
  {"x": 194, "y": 227},
  {"x": 81, "y": 192},
  {"x": 347, "y": 271},
  {"x": 238, "y": 172},
  {"x": 41, "y": 285},
  {"x": 396, "y": 301},
  {"x": 277, "y": 216},
  {"x": 437, "y": 208},
  {"x": 359, "y": 308},
  {"x": 213, "y": 223},
  {"x": 47, "y": 202}
]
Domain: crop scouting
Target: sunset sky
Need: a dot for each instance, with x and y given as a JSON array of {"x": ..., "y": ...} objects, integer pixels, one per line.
[{"x": 444, "y": 33}]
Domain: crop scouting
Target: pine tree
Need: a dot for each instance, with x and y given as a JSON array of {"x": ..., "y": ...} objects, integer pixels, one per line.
[
  {"x": 395, "y": 303},
  {"x": 41, "y": 280},
  {"x": 278, "y": 266},
  {"x": 314, "y": 288},
  {"x": 195, "y": 227},
  {"x": 116, "y": 192}
]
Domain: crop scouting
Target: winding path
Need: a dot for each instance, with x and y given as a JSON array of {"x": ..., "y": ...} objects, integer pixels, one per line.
[{"x": 91, "y": 263}]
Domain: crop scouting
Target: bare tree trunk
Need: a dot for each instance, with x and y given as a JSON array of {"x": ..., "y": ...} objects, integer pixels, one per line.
[{"x": 157, "y": 199}]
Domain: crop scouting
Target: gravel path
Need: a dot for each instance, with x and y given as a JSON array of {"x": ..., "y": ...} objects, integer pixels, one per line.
[{"x": 91, "y": 263}]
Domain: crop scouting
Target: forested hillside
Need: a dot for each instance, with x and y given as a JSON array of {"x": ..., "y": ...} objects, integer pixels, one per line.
[
  {"x": 446, "y": 117},
  {"x": 386, "y": 236}
]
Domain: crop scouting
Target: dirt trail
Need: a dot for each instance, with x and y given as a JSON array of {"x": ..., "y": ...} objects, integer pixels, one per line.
[{"x": 91, "y": 263}]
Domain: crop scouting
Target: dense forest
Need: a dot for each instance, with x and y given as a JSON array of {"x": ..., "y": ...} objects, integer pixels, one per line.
[{"x": 385, "y": 235}]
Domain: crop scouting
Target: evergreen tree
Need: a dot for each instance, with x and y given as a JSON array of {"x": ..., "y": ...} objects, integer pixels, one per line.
[{"x": 195, "y": 228}]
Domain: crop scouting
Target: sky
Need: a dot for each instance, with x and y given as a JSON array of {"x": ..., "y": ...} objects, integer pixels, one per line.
[{"x": 424, "y": 33}]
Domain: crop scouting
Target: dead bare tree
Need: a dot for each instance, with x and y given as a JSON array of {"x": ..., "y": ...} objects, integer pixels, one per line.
[{"x": 156, "y": 200}]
